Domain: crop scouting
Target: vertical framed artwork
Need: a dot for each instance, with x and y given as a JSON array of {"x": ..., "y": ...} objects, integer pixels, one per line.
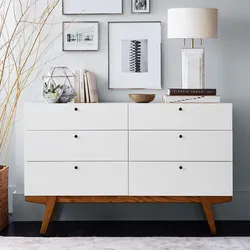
[
  {"x": 135, "y": 55},
  {"x": 92, "y": 7},
  {"x": 80, "y": 36},
  {"x": 140, "y": 6}
]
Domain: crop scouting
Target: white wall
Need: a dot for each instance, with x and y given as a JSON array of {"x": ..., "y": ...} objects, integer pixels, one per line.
[{"x": 227, "y": 69}]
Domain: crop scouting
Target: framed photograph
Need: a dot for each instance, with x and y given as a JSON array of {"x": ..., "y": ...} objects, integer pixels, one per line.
[
  {"x": 140, "y": 6},
  {"x": 92, "y": 7},
  {"x": 135, "y": 55},
  {"x": 80, "y": 36}
]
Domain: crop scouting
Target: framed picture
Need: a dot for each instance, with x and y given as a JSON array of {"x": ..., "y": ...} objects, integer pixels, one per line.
[
  {"x": 92, "y": 7},
  {"x": 135, "y": 55},
  {"x": 80, "y": 36},
  {"x": 140, "y": 6}
]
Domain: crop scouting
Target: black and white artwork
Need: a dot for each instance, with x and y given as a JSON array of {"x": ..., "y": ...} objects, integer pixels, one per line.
[
  {"x": 80, "y": 36},
  {"x": 140, "y": 6},
  {"x": 135, "y": 55}
]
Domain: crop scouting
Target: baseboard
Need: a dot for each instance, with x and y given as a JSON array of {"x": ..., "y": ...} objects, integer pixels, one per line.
[
  {"x": 237, "y": 210},
  {"x": 10, "y": 196}
]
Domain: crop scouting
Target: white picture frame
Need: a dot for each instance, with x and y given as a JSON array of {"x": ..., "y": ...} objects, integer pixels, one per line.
[
  {"x": 92, "y": 7},
  {"x": 193, "y": 69},
  {"x": 80, "y": 36},
  {"x": 135, "y": 55},
  {"x": 140, "y": 6}
]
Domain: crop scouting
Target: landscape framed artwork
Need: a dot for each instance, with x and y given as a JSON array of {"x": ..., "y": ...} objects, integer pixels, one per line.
[
  {"x": 87, "y": 7},
  {"x": 140, "y": 6},
  {"x": 80, "y": 36},
  {"x": 135, "y": 55}
]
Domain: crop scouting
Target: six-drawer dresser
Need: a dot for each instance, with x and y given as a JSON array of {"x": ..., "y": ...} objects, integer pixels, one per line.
[{"x": 128, "y": 153}]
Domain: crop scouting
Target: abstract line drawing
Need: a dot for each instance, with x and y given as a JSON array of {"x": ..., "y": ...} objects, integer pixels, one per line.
[{"x": 135, "y": 56}]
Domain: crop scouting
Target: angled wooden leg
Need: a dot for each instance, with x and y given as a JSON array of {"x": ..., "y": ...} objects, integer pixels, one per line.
[
  {"x": 50, "y": 205},
  {"x": 207, "y": 206}
]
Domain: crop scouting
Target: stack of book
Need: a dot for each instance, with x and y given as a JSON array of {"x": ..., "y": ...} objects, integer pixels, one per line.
[
  {"x": 85, "y": 87},
  {"x": 191, "y": 95}
]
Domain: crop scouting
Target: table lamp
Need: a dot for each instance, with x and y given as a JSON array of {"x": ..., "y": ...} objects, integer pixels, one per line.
[{"x": 192, "y": 23}]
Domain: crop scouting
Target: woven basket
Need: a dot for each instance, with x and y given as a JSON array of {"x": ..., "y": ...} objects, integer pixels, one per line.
[{"x": 4, "y": 218}]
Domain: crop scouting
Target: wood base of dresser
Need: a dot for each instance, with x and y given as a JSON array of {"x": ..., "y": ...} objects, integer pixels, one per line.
[{"x": 50, "y": 202}]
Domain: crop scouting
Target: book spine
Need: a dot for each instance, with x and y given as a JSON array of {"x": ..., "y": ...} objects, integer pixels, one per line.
[
  {"x": 82, "y": 87},
  {"x": 93, "y": 92},
  {"x": 192, "y": 92},
  {"x": 77, "y": 86},
  {"x": 190, "y": 99},
  {"x": 86, "y": 88}
]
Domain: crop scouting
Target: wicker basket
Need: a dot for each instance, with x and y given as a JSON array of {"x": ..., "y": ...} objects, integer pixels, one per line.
[{"x": 4, "y": 218}]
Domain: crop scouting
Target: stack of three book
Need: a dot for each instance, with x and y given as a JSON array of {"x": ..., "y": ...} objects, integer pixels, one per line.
[
  {"x": 191, "y": 96},
  {"x": 85, "y": 87}
]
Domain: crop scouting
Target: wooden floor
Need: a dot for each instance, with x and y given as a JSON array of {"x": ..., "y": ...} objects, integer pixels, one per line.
[{"x": 128, "y": 229}]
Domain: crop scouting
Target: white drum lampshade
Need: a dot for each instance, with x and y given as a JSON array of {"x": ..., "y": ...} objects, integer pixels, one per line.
[{"x": 192, "y": 23}]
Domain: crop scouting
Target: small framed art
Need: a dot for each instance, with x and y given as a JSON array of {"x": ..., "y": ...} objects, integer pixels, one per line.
[
  {"x": 135, "y": 55},
  {"x": 140, "y": 6},
  {"x": 80, "y": 36},
  {"x": 92, "y": 7}
]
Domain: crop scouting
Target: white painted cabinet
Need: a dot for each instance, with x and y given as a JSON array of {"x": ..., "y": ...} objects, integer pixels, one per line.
[{"x": 128, "y": 150}]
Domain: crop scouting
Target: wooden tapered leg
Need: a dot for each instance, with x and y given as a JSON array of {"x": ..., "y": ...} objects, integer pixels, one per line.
[
  {"x": 207, "y": 206},
  {"x": 50, "y": 205}
]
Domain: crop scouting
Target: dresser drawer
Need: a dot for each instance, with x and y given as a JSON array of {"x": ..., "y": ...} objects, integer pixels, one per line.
[
  {"x": 62, "y": 179},
  {"x": 76, "y": 117},
  {"x": 76, "y": 146},
  {"x": 168, "y": 146},
  {"x": 167, "y": 179},
  {"x": 180, "y": 117}
]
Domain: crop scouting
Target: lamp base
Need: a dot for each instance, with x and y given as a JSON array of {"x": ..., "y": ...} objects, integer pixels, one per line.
[{"x": 193, "y": 69}]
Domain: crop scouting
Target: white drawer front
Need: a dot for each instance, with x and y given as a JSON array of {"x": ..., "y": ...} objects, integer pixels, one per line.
[
  {"x": 86, "y": 117},
  {"x": 88, "y": 146},
  {"x": 180, "y": 117},
  {"x": 167, "y": 179},
  {"x": 168, "y": 146},
  {"x": 60, "y": 179}
]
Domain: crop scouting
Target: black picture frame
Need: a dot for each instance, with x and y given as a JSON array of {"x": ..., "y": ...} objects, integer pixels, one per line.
[
  {"x": 79, "y": 22},
  {"x": 138, "y": 12}
]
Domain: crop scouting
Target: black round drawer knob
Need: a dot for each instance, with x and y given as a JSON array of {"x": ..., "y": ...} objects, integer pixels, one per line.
[
  {"x": 76, "y": 109},
  {"x": 76, "y": 167},
  {"x": 76, "y": 136},
  {"x": 180, "y": 167},
  {"x": 180, "y": 136},
  {"x": 180, "y": 109}
]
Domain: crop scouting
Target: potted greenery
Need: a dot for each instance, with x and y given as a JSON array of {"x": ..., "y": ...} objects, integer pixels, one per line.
[{"x": 22, "y": 35}]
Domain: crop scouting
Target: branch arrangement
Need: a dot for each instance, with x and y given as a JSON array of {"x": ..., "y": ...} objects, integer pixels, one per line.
[{"x": 23, "y": 32}]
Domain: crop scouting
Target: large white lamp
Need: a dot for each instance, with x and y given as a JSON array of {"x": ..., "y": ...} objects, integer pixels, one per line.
[{"x": 192, "y": 23}]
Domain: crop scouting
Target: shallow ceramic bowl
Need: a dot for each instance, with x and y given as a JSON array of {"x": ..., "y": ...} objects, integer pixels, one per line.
[{"x": 142, "y": 98}]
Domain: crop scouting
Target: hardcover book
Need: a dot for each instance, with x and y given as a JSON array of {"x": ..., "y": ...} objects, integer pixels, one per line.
[
  {"x": 190, "y": 99},
  {"x": 192, "y": 92}
]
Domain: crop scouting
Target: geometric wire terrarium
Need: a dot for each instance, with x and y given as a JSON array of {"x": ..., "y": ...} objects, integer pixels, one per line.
[{"x": 57, "y": 87}]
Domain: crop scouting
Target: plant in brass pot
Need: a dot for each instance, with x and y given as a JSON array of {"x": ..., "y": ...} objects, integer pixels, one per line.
[{"x": 23, "y": 43}]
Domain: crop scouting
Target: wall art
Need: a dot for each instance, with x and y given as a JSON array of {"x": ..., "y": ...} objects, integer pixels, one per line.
[
  {"x": 80, "y": 36},
  {"x": 135, "y": 55},
  {"x": 87, "y": 7},
  {"x": 140, "y": 6}
]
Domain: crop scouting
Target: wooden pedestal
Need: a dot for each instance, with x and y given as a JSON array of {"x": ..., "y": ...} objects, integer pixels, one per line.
[{"x": 50, "y": 202}]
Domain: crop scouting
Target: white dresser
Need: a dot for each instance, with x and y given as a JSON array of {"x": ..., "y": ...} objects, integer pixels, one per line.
[{"x": 128, "y": 153}]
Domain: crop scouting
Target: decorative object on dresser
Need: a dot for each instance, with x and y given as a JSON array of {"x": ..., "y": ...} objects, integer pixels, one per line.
[
  {"x": 86, "y": 7},
  {"x": 128, "y": 161},
  {"x": 57, "y": 87},
  {"x": 140, "y": 6},
  {"x": 142, "y": 98},
  {"x": 86, "y": 87},
  {"x": 192, "y": 23},
  {"x": 135, "y": 55},
  {"x": 80, "y": 36},
  {"x": 4, "y": 215}
]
